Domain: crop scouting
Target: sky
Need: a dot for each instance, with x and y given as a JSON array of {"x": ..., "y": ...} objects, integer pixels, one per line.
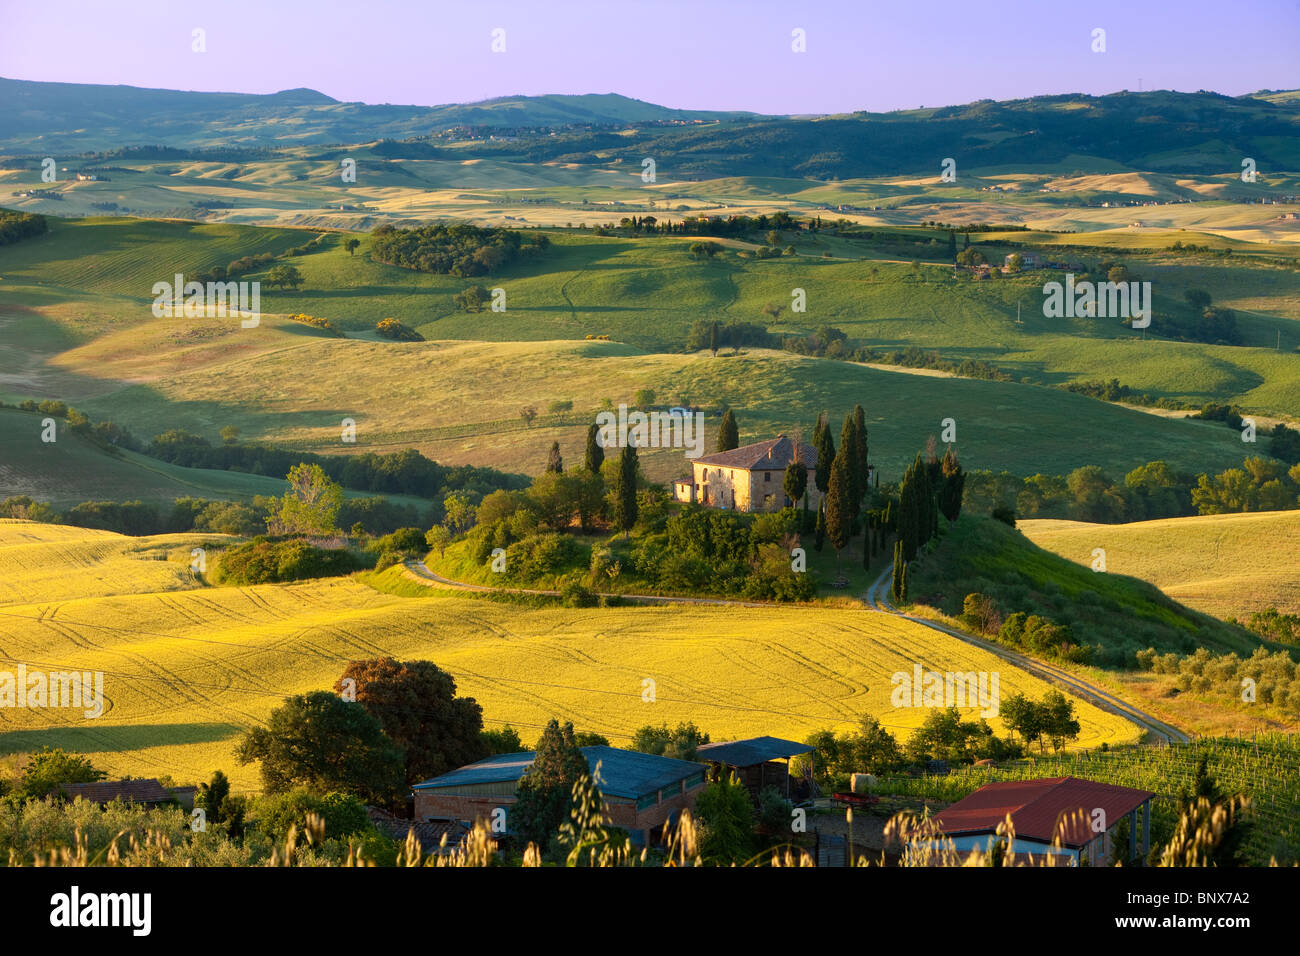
[{"x": 688, "y": 54}]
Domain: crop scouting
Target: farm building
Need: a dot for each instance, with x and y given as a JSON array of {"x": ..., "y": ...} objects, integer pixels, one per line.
[
  {"x": 757, "y": 762},
  {"x": 1082, "y": 813},
  {"x": 641, "y": 792},
  {"x": 149, "y": 792},
  {"x": 748, "y": 478}
]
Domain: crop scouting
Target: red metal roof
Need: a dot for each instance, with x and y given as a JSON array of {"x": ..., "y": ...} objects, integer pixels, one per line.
[{"x": 1036, "y": 806}]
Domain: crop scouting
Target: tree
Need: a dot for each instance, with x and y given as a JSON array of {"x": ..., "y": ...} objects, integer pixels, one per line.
[
  {"x": 437, "y": 538},
  {"x": 284, "y": 276},
  {"x": 682, "y": 742},
  {"x": 713, "y": 339},
  {"x": 219, "y": 806},
  {"x": 624, "y": 490},
  {"x": 473, "y": 299},
  {"x": 1060, "y": 726},
  {"x": 839, "y": 509},
  {"x": 310, "y": 506},
  {"x": 528, "y": 413},
  {"x": 351, "y": 243},
  {"x": 819, "y": 538},
  {"x": 643, "y": 398},
  {"x": 954, "y": 483},
  {"x": 545, "y": 791},
  {"x": 795, "y": 484},
  {"x": 1022, "y": 716},
  {"x": 861, "y": 470},
  {"x": 595, "y": 456},
  {"x": 896, "y": 584},
  {"x": 554, "y": 463},
  {"x": 728, "y": 433},
  {"x": 323, "y": 742},
  {"x": 726, "y": 818},
  {"x": 458, "y": 514},
  {"x": 47, "y": 771},
  {"x": 230, "y": 434},
  {"x": 415, "y": 703},
  {"x": 825, "y": 453}
]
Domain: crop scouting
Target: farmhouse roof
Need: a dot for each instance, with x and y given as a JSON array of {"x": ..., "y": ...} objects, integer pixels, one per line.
[
  {"x": 106, "y": 791},
  {"x": 754, "y": 750},
  {"x": 623, "y": 773},
  {"x": 1036, "y": 806},
  {"x": 775, "y": 454}
]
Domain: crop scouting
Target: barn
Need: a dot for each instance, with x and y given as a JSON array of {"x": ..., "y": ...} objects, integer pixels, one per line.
[
  {"x": 641, "y": 792},
  {"x": 1083, "y": 814},
  {"x": 757, "y": 762}
]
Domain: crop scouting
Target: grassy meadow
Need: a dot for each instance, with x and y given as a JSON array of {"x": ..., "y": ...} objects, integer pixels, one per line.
[
  {"x": 188, "y": 667},
  {"x": 1225, "y": 565}
]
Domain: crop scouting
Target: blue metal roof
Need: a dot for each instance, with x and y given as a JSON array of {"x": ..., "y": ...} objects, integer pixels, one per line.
[
  {"x": 755, "y": 750},
  {"x": 623, "y": 773}
]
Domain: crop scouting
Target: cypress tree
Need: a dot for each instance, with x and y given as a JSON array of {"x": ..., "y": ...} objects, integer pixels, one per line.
[
  {"x": 896, "y": 584},
  {"x": 908, "y": 522},
  {"x": 625, "y": 509},
  {"x": 902, "y": 585},
  {"x": 839, "y": 514},
  {"x": 866, "y": 548},
  {"x": 821, "y": 525},
  {"x": 860, "y": 466},
  {"x": 713, "y": 339},
  {"x": 728, "y": 434},
  {"x": 554, "y": 463},
  {"x": 849, "y": 452},
  {"x": 954, "y": 483},
  {"x": 796, "y": 481},
  {"x": 825, "y": 453},
  {"x": 595, "y": 454}
]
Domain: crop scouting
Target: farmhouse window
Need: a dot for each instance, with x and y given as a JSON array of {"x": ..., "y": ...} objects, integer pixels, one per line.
[
  {"x": 648, "y": 801},
  {"x": 767, "y": 476}
]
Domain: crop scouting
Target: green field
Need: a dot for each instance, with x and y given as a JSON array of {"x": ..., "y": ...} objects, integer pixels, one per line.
[{"x": 647, "y": 292}]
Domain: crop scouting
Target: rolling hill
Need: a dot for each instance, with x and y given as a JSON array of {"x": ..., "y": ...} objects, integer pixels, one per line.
[
  {"x": 1225, "y": 565},
  {"x": 187, "y": 670}
]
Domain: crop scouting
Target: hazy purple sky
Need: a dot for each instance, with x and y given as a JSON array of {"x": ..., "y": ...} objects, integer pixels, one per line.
[{"x": 697, "y": 54}]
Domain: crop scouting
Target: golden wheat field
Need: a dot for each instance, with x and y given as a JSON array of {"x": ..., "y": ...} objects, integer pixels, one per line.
[
  {"x": 1225, "y": 565},
  {"x": 188, "y": 667}
]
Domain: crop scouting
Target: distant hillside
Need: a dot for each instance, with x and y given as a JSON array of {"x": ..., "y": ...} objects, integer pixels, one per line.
[
  {"x": 80, "y": 117},
  {"x": 1179, "y": 132}
]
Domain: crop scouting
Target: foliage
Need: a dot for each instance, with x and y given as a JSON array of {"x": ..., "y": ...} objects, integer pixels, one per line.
[
  {"x": 322, "y": 742},
  {"x": 415, "y": 703}
]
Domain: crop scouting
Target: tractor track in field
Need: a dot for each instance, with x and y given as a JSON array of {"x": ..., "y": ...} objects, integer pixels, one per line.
[{"x": 877, "y": 602}]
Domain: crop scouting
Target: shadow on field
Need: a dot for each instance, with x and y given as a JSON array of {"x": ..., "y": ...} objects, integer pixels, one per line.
[{"x": 95, "y": 737}]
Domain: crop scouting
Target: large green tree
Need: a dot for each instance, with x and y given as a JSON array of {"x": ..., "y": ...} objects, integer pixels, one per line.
[
  {"x": 416, "y": 704},
  {"x": 320, "y": 741},
  {"x": 726, "y": 816}
]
